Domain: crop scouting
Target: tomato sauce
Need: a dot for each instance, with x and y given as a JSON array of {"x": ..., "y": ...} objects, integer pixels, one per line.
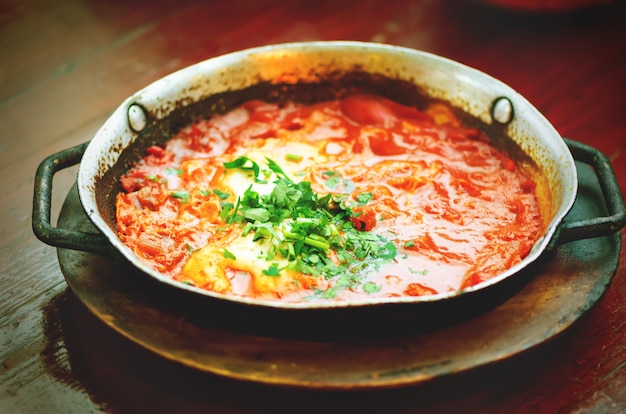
[{"x": 458, "y": 210}]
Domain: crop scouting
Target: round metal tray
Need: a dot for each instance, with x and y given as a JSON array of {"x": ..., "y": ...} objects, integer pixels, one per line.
[{"x": 563, "y": 288}]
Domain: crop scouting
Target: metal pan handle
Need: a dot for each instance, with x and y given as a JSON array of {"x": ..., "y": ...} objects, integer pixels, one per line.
[
  {"x": 64, "y": 238},
  {"x": 598, "y": 226}
]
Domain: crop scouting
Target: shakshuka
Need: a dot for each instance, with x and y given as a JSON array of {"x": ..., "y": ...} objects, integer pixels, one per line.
[{"x": 342, "y": 199}]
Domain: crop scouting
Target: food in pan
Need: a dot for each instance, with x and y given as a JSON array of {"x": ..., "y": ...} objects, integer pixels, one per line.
[{"x": 354, "y": 197}]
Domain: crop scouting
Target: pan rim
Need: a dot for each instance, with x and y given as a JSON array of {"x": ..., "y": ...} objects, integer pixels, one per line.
[{"x": 92, "y": 164}]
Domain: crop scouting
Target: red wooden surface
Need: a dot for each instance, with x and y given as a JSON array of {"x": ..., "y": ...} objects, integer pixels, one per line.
[{"x": 66, "y": 64}]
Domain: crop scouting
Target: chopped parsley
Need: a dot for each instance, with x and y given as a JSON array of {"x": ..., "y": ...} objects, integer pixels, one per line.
[
  {"x": 312, "y": 231},
  {"x": 156, "y": 178},
  {"x": 244, "y": 163},
  {"x": 182, "y": 195},
  {"x": 293, "y": 157},
  {"x": 221, "y": 194},
  {"x": 371, "y": 287},
  {"x": 273, "y": 270},
  {"x": 333, "y": 179},
  {"x": 275, "y": 168},
  {"x": 364, "y": 198},
  {"x": 173, "y": 171}
]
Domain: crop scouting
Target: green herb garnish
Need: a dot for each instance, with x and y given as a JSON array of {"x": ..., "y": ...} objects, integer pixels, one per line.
[
  {"x": 228, "y": 255},
  {"x": 293, "y": 157},
  {"x": 333, "y": 179},
  {"x": 173, "y": 171},
  {"x": 371, "y": 287},
  {"x": 364, "y": 198},
  {"x": 276, "y": 168},
  {"x": 244, "y": 163},
  {"x": 273, "y": 270},
  {"x": 313, "y": 233},
  {"x": 221, "y": 194},
  {"x": 182, "y": 195}
]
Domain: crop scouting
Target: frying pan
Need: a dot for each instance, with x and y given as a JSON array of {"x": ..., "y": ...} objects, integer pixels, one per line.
[{"x": 310, "y": 71}]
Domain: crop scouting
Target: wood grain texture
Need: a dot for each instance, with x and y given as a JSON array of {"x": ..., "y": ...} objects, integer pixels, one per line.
[{"x": 66, "y": 64}]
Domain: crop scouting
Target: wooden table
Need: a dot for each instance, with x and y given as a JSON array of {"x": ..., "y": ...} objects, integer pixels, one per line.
[{"x": 66, "y": 64}]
